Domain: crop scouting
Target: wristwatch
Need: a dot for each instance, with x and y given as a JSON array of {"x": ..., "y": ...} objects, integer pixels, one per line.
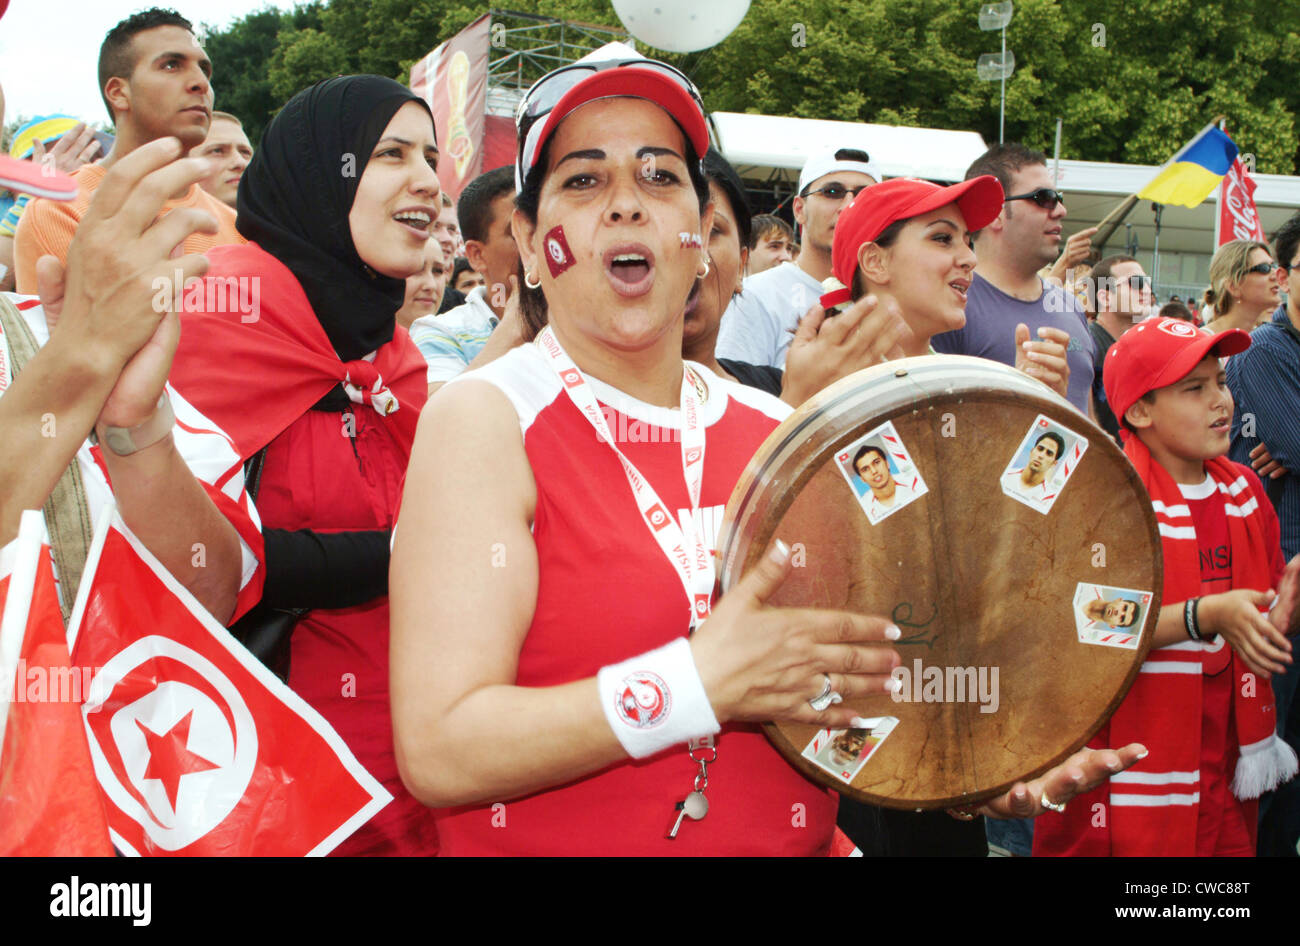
[{"x": 125, "y": 441}]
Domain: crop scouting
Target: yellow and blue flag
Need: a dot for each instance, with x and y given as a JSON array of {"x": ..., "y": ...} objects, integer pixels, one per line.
[{"x": 1194, "y": 172}]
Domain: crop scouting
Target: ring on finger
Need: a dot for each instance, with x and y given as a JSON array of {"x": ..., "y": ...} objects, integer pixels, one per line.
[
  {"x": 1051, "y": 805},
  {"x": 826, "y": 698}
]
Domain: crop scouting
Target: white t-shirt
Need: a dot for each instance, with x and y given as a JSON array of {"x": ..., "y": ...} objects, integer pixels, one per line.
[
  {"x": 759, "y": 323},
  {"x": 876, "y": 510},
  {"x": 1039, "y": 493}
]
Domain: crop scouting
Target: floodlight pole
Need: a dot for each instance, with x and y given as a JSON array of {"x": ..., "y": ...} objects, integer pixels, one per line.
[{"x": 1002, "y": 110}]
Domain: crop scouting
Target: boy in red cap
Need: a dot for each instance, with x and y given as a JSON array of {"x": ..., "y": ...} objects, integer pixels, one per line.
[{"x": 1202, "y": 702}]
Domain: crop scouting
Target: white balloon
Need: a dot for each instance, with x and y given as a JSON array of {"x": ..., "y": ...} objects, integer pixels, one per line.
[{"x": 681, "y": 26}]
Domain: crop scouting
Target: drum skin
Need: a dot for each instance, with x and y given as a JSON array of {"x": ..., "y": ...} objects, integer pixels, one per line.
[{"x": 976, "y": 580}]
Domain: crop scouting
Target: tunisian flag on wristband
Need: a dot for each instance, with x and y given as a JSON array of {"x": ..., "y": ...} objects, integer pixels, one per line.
[
  {"x": 49, "y": 802},
  {"x": 199, "y": 749}
]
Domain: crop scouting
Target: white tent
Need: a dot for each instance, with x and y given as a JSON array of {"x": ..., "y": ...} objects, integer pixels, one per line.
[
  {"x": 773, "y": 148},
  {"x": 758, "y": 144}
]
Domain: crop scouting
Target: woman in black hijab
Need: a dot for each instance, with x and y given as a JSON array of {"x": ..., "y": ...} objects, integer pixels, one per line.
[{"x": 292, "y": 348}]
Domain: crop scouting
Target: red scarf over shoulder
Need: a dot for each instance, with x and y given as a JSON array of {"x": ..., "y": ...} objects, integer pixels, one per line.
[
  {"x": 253, "y": 357},
  {"x": 1151, "y": 809}
]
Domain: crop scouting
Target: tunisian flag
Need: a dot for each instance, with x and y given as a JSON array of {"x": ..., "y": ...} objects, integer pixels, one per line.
[
  {"x": 49, "y": 802},
  {"x": 199, "y": 749},
  {"x": 1238, "y": 218}
]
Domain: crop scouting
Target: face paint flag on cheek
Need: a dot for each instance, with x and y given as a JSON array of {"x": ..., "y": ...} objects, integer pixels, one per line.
[
  {"x": 690, "y": 241},
  {"x": 558, "y": 256}
]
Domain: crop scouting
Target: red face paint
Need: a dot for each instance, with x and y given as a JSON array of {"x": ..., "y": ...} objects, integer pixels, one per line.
[
  {"x": 558, "y": 256},
  {"x": 690, "y": 241}
]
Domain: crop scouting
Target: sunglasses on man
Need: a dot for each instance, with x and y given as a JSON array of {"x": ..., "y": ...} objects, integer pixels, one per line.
[
  {"x": 1140, "y": 281},
  {"x": 1045, "y": 197},
  {"x": 837, "y": 191}
]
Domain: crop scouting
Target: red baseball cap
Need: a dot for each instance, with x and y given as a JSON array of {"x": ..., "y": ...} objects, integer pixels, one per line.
[
  {"x": 558, "y": 93},
  {"x": 1157, "y": 353},
  {"x": 979, "y": 200}
]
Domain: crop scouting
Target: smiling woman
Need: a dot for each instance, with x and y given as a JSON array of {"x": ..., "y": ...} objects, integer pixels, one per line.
[{"x": 320, "y": 391}]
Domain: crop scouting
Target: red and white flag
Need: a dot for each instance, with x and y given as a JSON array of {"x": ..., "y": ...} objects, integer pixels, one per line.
[
  {"x": 1238, "y": 217},
  {"x": 198, "y": 747},
  {"x": 49, "y": 802}
]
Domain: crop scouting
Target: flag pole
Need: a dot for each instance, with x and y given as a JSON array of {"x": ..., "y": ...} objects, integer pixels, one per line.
[
  {"x": 1122, "y": 209},
  {"x": 1218, "y": 199},
  {"x": 18, "y": 604},
  {"x": 88, "y": 571}
]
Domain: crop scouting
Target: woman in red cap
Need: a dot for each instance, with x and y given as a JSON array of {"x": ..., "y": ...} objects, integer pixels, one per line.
[
  {"x": 554, "y": 547},
  {"x": 907, "y": 243}
]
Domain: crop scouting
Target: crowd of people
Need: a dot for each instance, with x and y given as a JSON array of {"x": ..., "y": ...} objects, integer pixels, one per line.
[{"x": 465, "y": 364}]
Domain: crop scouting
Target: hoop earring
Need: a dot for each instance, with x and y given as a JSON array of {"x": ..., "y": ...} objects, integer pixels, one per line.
[
  {"x": 701, "y": 275},
  {"x": 531, "y": 281}
]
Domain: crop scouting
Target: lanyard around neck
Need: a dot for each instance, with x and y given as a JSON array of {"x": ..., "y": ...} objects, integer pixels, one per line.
[{"x": 689, "y": 555}]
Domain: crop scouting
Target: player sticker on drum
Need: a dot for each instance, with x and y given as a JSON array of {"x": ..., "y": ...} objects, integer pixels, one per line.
[
  {"x": 843, "y": 752},
  {"x": 1112, "y": 617},
  {"x": 881, "y": 472},
  {"x": 1043, "y": 464}
]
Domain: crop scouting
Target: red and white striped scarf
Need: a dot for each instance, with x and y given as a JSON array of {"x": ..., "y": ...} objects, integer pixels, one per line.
[{"x": 1151, "y": 809}]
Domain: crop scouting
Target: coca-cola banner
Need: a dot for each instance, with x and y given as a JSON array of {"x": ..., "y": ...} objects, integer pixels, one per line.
[
  {"x": 1238, "y": 218},
  {"x": 453, "y": 80}
]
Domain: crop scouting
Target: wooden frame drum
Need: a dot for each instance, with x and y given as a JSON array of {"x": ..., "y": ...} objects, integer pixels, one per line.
[{"x": 1017, "y": 551}]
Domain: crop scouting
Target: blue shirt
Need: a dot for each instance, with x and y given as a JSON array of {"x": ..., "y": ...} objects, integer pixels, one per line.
[
  {"x": 1265, "y": 383},
  {"x": 990, "y": 330}
]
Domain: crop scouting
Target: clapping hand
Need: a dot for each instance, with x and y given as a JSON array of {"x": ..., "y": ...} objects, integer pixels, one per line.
[
  {"x": 1044, "y": 360},
  {"x": 825, "y": 349}
]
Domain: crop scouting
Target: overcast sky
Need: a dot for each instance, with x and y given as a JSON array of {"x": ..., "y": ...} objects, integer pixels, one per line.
[{"x": 49, "y": 48}]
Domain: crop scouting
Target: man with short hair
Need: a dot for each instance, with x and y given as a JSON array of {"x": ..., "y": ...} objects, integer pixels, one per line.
[
  {"x": 452, "y": 341},
  {"x": 1031, "y": 480},
  {"x": 887, "y": 493},
  {"x": 155, "y": 80},
  {"x": 446, "y": 229},
  {"x": 759, "y": 324},
  {"x": 228, "y": 149},
  {"x": 1119, "y": 612},
  {"x": 1006, "y": 290},
  {"x": 1120, "y": 297},
  {"x": 771, "y": 243},
  {"x": 464, "y": 277}
]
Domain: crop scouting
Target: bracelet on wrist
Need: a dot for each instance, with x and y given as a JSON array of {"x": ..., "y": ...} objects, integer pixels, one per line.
[
  {"x": 124, "y": 441},
  {"x": 1189, "y": 619}
]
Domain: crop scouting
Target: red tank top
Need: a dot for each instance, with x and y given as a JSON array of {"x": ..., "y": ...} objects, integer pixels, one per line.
[
  {"x": 316, "y": 477},
  {"x": 606, "y": 593}
]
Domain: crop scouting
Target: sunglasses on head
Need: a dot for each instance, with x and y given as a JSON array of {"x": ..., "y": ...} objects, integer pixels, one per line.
[
  {"x": 1263, "y": 268},
  {"x": 1045, "y": 197},
  {"x": 837, "y": 191},
  {"x": 546, "y": 92}
]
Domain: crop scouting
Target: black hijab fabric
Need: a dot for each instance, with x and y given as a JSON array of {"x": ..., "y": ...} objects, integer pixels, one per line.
[{"x": 296, "y": 193}]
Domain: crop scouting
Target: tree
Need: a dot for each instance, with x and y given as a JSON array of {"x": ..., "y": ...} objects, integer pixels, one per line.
[
  {"x": 240, "y": 55},
  {"x": 1132, "y": 81}
]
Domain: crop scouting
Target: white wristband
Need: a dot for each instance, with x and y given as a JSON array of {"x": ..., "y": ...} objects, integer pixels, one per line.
[{"x": 656, "y": 700}]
